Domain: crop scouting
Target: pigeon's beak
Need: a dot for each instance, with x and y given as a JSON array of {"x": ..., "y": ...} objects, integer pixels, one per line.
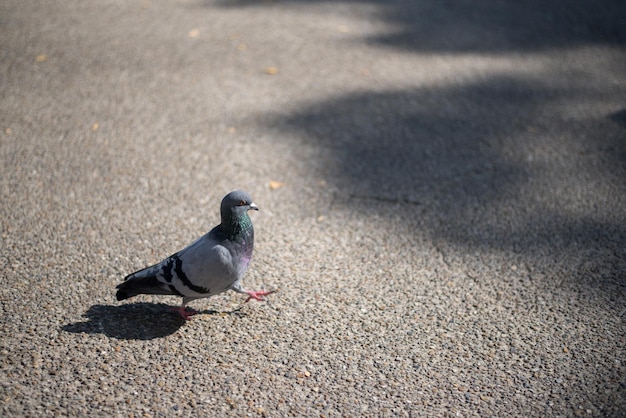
[{"x": 253, "y": 206}]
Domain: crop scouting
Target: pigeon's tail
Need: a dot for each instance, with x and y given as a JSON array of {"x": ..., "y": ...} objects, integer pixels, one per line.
[{"x": 136, "y": 284}]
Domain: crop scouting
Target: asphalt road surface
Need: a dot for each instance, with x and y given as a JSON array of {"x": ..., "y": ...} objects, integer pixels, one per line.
[{"x": 442, "y": 194}]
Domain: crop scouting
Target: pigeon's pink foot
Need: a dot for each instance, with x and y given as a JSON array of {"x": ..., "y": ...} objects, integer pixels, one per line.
[
  {"x": 258, "y": 295},
  {"x": 184, "y": 313}
]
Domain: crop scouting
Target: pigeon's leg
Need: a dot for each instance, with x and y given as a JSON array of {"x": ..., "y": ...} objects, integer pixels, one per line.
[
  {"x": 258, "y": 294},
  {"x": 185, "y": 313}
]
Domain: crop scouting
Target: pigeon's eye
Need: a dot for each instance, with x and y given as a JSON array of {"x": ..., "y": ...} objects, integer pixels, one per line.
[{"x": 242, "y": 203}]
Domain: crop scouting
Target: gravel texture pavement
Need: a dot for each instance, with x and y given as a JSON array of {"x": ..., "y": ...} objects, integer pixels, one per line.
[{"x": 442, "y": 189}]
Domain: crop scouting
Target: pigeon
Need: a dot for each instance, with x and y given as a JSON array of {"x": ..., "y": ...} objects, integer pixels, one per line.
[{"x": 212, "y": 264}]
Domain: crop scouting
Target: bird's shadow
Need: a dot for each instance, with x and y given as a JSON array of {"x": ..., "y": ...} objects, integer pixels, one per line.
[{"x": 134, "y": 321}]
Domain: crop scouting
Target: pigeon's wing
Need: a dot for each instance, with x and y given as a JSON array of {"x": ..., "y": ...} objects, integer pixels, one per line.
[
  {"x": 145, "y": 281},
  {"x": 203, "y": 269}
]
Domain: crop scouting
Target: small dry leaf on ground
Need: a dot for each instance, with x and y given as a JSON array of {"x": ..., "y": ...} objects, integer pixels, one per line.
[
  {"x": 271, "y": 70},
  {"x": 41, "y": 58},
  {"x": 276, "y": 185}
]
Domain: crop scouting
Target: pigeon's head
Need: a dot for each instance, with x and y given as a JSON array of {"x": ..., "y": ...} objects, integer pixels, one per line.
[{"x": 236, "y": 204}]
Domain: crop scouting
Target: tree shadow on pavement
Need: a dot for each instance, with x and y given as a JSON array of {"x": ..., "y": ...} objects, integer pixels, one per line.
[
  {"x": 134, "y": 321},
  {"x": 530, "y": 163},
  {"x": 486, "y": 26},
  {"x": 495, "y": 164}
]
